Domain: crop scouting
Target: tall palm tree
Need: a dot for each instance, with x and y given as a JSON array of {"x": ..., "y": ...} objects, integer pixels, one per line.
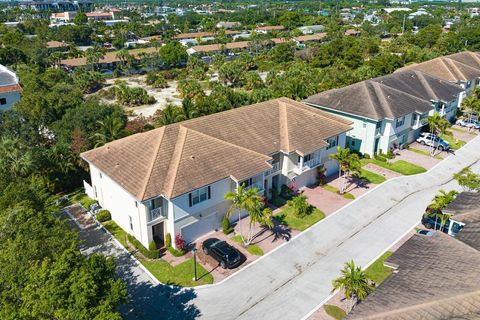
[
  {"x": 470, "y": 105},
  {"x": 123, "y": 55},
  {"x": 188, "y": 111},
  {"x": 348, "y": 163},
  {"x": 248, "y": 200},
  {"x": 355, "y": 284},
  {"x": 438, "y": 126},
  {"x": 110, "y": 129}
]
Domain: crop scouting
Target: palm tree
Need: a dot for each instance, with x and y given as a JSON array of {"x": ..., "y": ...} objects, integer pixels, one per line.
[
  {"x": 348, "y": 163},
  {"x": 440, "y": 202},
  {"x": 470, "y": 105},
  {"x": 110, "y": 129},
  {"x": 188, "y": 111},
  {"x": 123, "y": 56},
  {"x": 438, "y": 126},
  {"x": 354, "y": 282},
  {"x": 94, "y": 55},
  {"x": 249, "y": 200},
  {"x": 168, "y": 115}
]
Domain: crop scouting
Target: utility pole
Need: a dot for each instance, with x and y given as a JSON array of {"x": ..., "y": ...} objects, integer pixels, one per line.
[{"x": 403, "y": 24}]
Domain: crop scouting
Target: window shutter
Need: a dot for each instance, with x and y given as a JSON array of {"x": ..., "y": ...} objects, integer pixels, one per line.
[
  {"x": 209, "y": 192},
  {"x": 190, "y": 199}
]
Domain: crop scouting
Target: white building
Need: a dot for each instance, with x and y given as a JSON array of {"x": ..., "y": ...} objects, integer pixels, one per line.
[
  {"x": 462, "y": 68},
  {"x": 174, "y": 179},
  {"x": 9, "y": 88},
  {"x": 389, "y": 111}
]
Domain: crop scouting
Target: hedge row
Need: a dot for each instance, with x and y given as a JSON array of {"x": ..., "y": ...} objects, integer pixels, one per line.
[{"x": 151, "y": 254}]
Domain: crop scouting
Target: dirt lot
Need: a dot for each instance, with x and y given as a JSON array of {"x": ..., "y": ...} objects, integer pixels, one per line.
[{"x": 163, "y": 96}]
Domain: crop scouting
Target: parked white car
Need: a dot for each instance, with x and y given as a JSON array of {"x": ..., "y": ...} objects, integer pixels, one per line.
[
  {"x": 468, "y": 123},
  {"x": 432, "y": 140}
]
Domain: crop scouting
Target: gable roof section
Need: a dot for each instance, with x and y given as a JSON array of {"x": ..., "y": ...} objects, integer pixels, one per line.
[
  {"x": 371, "y": 99},
  {"x": 463, "y": 66},
  {"x": 429, "y": 283},
  {"x": 238, "y": 143},
  {"x": 421, "y": 85}
]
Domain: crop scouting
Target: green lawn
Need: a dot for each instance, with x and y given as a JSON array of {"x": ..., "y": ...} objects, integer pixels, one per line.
[
  {"x": 180, "y": 275},
  {"x": 400, "y": 166},
  {"x": 330, "y": 188},
  {"x": 287, "y": 218},
  {"x": 377, "y": 271},
  {"x": 78, "y": 196},
  {"x": 334, "y": 311},
  {"x": 454, "y": 143},
  {"x": 252, "y": 248},
  {"x": 117, "y": 232},
  {"x": 425, "y": 153},
  {"x": 371, "y": 177}
]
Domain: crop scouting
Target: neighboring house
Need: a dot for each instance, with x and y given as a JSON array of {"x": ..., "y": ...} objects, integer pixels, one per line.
[
  {"x": 312, "y": 29},
  {"x": 465, "y": 210},
  {"x": 388, "y": 112},
  {"x": 445, "y": 96},
  {"x": 434, "y": 277},
  {"x": 53, "y": 46},
  {"x": 173, "y": 179},
  {"x": 9, "y": 88},
  {"x": 462, "y": 68},
  {"x": 193, "y": 37},
  {"x": 109, "y": 61},
  {"x": 267, "y": 29},
  {"x": 228, "y": 25},
  {"x": 383, "y": 118}
]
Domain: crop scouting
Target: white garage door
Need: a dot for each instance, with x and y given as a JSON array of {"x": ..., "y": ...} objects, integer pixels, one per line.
[{"x": 195, "y": 230}]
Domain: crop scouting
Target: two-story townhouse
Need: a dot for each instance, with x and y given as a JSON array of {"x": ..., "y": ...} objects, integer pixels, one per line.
[
  {"x": 445, "y": 96},
  {"x": 173, "y": 179},
  {"x": 462, "y": 68},
  {"x": 9, "y": 88},
  {"x": 383, "y": 117}
]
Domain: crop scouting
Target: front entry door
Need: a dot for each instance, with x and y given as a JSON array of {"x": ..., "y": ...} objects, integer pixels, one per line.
[{"x": 158, "y": 234}]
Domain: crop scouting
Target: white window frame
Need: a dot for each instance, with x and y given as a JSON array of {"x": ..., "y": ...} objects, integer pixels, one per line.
[
  {"x": 332, "y": 142},
  {"x": 199, "y": 195},
  {"x": 399, "y": 122}
]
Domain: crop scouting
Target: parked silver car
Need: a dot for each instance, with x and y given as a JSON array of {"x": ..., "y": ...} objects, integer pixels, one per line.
[
  {"x": 432, "y": 140},
  {"x": 468, "y": 123}
]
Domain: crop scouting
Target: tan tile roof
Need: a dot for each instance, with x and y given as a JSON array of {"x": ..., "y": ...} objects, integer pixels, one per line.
[
  {"x": 230, "y": 45},
  {"x": 56, "y": 44},
  {"x": 193, "y": 35},
  {"x": 270, "y": 28},
  {"x": 372, "y": 100},
  {"x": 110, "y": 57},
  {"x": 463, "y": 66},
  {"x": 181, "y": 157},
  {"x": 311, "y": 37},
  {"x": 437, "y": 278}
]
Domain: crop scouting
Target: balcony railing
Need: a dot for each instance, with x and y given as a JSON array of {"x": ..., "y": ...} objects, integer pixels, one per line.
[
  {"x": 257, "y": 185},
  {"x": 274, "y": 169},
  {"x": 157, "y": 213},
  {"x": 312, "y": 163}
]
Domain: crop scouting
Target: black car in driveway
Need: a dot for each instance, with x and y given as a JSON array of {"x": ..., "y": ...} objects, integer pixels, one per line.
[{"x": 225, "y": 254}]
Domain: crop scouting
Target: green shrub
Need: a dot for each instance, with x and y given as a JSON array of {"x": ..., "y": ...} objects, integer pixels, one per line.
[
  {"x": 366, "y": 156},
  {"x": 299, "y": 205},
  {"x": 150, "y": 254},
  {"x": 176, "y": 253},
  {"x": 152, "y": 246},
  {"x": 226, "y": 226},
  {"x": 168, "y": 240},
  {"x": 87, "y": 202},
  {"x": 104, "y": 216},
  {"x": 286, "y": 192},
  {"x": 390, "y": 155}
]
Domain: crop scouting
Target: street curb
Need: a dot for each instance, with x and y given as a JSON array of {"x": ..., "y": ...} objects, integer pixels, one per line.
[{"x": 206, "y": 286}]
